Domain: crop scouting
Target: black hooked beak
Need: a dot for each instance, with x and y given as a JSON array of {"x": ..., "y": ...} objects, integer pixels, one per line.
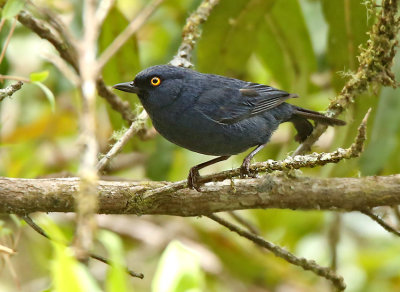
[{"x": 127, "y": 87}]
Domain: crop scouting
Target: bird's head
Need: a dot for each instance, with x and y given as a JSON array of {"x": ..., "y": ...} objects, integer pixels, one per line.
[{"x": 157, "y": 86}]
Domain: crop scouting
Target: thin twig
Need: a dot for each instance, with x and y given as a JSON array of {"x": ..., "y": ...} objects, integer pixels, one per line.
[
  {"x": 106, "y": 261},
  {"x": 40, "y": 230},
  {"x": 13, "y": 77},
  {"x": 380, "y": 221},
  {"x": 135, "y": 127},
  {"x": 333, "y": 238},
  {"x": 250, "y": 227},
  {"x": 307, "y": 265},
  {"x": 121, "y": 39},
  {"x": 191, "y": 33},
  {"x": 2, "y": 21},
  {"x": 3, "y": 52},
  {"x": 12, "y": 271},
  {"x": 10, "y": 90},
  {"x": 103, "y": 10},
  {"x": 6, "y": 250},
  {"x": 396, "y": 213},
  {"x": 115, "y": 102}
]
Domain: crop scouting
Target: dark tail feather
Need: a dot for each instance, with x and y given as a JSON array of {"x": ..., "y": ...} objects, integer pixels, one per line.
[
  {"x": 316, "y": 116},
  {"x": 304, "y": 128}
]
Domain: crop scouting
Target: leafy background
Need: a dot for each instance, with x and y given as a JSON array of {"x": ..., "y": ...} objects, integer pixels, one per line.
[{"x": 303, "y": 46}]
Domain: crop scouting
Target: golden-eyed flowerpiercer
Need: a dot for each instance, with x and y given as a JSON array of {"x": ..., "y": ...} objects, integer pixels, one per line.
[{"x": 216, "y": 115}]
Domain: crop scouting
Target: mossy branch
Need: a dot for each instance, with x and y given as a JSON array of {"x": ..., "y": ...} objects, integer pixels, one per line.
[
  {"x": 191, "y": 33},
  {"x": 375, "y": 59}
]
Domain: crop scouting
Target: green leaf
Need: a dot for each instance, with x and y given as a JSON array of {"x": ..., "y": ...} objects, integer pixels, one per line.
[
  {"x": 17, "y": 221},
  {"x": 285, "y": 48},
  {"x": 12, "y": 8},
  {"x": 67, "y": 273},
  {"x": 348, "y": 24},
  {"x": 116, "y": 277},
  {"x": 316, "y": 24},
  {"x": 274, "y": 30},
  {"x": 178, "y": 271},
  {"x": 39, "y": 76},
  {"x": 384, "y": 139},
  {"x": 161, "y": 159},
  {"x": 49, "y": 95},
  {"x": 229, "y": 36}
]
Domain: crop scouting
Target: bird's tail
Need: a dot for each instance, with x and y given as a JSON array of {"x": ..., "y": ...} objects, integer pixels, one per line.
[{"x": 304, "y": 128}]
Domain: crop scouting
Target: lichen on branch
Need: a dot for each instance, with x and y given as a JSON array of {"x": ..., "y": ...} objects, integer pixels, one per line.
[
  {"x": 375, "y": 63},
  {"x": 10, "y": 90},
  {"x": 191, "y": 33}
]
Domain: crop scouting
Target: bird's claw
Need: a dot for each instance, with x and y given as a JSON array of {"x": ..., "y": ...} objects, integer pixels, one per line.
[
  {"x": 245, "y": 170},
  {"x": 192, "y": 179}
]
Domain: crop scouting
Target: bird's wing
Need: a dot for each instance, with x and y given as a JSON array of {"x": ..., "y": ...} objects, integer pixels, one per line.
[{"x": 229, "y": 105}]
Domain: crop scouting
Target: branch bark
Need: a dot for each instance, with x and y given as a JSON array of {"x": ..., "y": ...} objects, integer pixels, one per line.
[{"x": 23, "y": 196}]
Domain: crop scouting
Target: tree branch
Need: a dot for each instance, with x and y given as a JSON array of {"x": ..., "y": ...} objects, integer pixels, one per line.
[
  {"x": 24, "y": 196},
  {"x": 10, "y": 90}
]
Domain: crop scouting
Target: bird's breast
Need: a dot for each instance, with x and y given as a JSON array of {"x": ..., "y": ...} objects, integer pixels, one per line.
[{"x": 192, "y": 130}]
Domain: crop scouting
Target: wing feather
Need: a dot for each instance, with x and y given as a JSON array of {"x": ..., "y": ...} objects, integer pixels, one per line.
[{"x": 229, "y": 105}]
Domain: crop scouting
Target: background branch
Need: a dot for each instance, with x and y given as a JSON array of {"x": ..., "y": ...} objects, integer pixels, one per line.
[
  {"x": 86, "y": 198},
  {"x": 68, "y": 51},
  {"x": 307, "y": 265},
  {"x": 380, "y": 221},
  {"x": 40, "y": 230},
  {"x": 135, "y": 127}
]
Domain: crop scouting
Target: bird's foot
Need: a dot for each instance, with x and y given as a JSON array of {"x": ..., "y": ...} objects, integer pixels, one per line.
[
  {"x": 193, "y": 178},
  {"x": 245, "y": 170}
]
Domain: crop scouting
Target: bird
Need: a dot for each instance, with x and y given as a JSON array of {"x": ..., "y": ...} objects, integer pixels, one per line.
[{"x": 217, "y": 115}]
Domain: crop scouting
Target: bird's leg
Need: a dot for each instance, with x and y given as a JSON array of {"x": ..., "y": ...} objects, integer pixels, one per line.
[
  {"x": 194, "y": 171},
  {"x": 244, "y": 169}
]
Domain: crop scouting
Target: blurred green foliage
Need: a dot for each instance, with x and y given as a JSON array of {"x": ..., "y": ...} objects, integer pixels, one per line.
[{"x": 302, "y": 46}]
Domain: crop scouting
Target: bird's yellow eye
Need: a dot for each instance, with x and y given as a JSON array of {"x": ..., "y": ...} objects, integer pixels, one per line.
[{"x": 155, "y": 81}]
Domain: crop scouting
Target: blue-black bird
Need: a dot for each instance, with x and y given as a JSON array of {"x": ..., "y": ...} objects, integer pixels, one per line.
[{"x": 217, "y": 115}]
